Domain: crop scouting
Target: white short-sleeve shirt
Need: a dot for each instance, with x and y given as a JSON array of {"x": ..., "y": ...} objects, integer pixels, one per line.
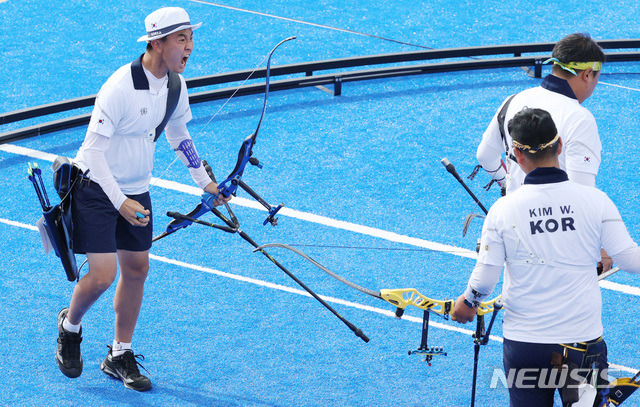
[
  {"x": 128, "y": 114},
  {"x": 576, "y": 126}
]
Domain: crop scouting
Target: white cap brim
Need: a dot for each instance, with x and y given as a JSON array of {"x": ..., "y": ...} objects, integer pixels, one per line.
[{"x": 154, "y": 35}]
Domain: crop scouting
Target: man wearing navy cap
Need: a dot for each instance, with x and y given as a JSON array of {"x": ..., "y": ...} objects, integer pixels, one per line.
[{"x": 112, "y": 213}]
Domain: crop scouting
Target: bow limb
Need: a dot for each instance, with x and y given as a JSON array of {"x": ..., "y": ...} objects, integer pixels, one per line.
[
  {"x": 230, "y": 184},
  {"x": 401, "y": 298},
  {"x": 323, "y": 268},
  {"x": 266, "y": 88}
]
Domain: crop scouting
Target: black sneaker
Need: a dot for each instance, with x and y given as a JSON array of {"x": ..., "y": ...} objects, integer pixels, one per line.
[
  {"x": 125, "y": 368},
  {"x": 68, "y": 351}
]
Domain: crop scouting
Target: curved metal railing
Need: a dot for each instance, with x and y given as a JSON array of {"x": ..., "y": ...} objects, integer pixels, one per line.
[{"x": 505, "y": 56}]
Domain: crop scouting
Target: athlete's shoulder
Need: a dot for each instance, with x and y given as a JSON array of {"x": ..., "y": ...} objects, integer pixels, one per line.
[
  {"x": 121, "y": 74},
  {"x": 588, "y": 195},
  {"x": 535, "y": 93},
  {"x": 500, "y": 206},
  {"x": 586, "y": 114},
  {"x": 593, "y": 191},
  {"x": 113, "y": 95}
]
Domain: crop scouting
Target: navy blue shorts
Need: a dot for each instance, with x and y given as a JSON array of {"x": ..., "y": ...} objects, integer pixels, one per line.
[
  {"x": 525, "y": 355},
  {"x": 99, "y": 228}
]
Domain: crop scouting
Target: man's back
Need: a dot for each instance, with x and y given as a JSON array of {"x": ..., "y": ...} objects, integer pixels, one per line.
[
  {"x": 550, "y": 232},
  {"x": 576, "y": 126}
]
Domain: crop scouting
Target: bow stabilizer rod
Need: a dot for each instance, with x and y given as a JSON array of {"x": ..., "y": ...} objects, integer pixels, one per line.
[
  {"x": 234, "y": 227},
  {"x": 481, "y": 337},
  {"x": 452, "y": 170}
]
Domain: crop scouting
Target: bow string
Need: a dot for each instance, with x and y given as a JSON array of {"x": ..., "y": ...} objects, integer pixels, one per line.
[{"x": 230, "y": 184}]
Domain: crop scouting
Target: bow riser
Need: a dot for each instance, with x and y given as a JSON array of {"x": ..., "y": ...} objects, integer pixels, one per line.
[
  {"x": 404, "y": 297},
  {"x": 230, "y": 184},
  {"x": 487, "y": 307}
]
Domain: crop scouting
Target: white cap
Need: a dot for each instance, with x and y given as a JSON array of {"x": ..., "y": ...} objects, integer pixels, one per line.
[{"x": 165, "y": 21}]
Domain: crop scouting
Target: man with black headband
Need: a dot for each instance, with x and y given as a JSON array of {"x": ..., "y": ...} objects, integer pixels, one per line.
[
  {"x": 577, "y": 62},
  {"x": 111, "y": 206},
  {"x": 548, "y": 234}
]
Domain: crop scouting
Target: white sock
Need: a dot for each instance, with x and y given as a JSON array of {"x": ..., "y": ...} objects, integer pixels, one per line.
[
  {"x": 69, "y": 327},
  {"x": 118, "y": 348}
]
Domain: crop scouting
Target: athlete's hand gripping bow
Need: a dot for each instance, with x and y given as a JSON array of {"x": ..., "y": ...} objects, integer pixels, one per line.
[{"x": 223, "y": 191}]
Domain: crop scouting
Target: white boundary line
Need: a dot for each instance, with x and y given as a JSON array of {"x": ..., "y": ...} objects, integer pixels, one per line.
[
  {"x": 309, "y": 217},
  {"x": 10, "y": 148},
  {"x": 618, "y": 86},
  {"x": 334, "y": 300},
  {"x": 338, "y": 224},
  {"x": 18, "y": 224},
  {"x": 305, "y": 216},
  {"x": 366, "y": 230}
]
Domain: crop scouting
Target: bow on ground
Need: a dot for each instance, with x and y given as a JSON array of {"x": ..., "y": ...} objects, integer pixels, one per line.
[
  {"x": 404, "y": 297},
  {"x": 232, "y": 225},
  {"x": 230, "y": 184},
  {"x": 400, "y": 298}
]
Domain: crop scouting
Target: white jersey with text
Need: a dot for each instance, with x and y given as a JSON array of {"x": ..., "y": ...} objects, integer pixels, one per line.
[{"x": 549, "y": 233}]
